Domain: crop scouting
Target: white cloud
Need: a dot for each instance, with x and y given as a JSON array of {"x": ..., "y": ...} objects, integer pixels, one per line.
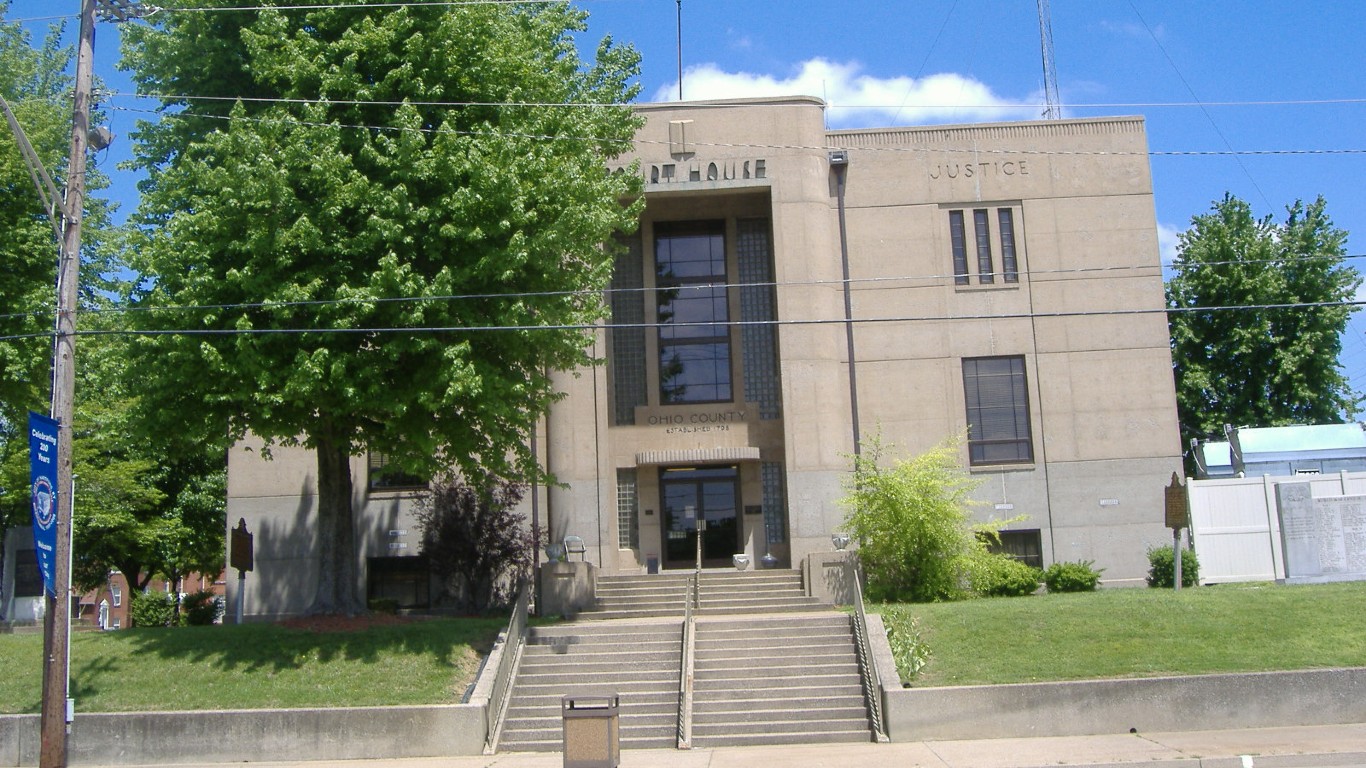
[
  {"x": 857, "y": 99},
  {"x": 1167, "y": 238},
  {"x": 1134, "y": 30}
]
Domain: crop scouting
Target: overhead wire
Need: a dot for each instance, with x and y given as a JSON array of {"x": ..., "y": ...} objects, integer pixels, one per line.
[
  {"x": 608, "y": 292},
  {"x": 712, "y": 106},
  {"x": 697, "y": 324},
  {"x": 747, "y": 145}
]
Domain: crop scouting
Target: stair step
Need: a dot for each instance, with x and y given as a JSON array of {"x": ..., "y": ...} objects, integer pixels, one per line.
[
  {"x": 717, "y": 692},
  {"x": 790, "y": 708},
  {"x": 856, "y": 724},
  {"x": 758, "y": 739}
]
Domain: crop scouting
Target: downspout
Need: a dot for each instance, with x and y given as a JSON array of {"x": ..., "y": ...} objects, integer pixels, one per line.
[{"x": 839, "y": 163}]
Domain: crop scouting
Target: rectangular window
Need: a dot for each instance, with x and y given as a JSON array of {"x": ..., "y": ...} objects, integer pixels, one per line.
[
  {"x": 1010, "y": 267},
  {"x": 693, "y": 312},
  {"x": 385, "y": 476},
  {"x": 997, "y": 398},
  {"x": 982, "y": 231},
  {"x": 628, "y": 526},
  {"x": 984, "y": 245},
  {"x": 1025, "y": 546},
  {"x": 117, "y": 595},
  {"x": 960, "y": 248},
  {"x": 404, "y": 580}
]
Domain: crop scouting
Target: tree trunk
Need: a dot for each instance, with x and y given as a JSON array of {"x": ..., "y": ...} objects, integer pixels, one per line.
[{"x": 337, "y": 567}]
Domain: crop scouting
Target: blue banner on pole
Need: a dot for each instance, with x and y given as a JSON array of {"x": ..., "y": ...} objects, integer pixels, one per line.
[{"x": 42, "y": 459}]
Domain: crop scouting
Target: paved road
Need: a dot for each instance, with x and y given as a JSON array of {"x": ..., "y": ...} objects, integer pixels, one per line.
[{"x": 1329, "y": 746}]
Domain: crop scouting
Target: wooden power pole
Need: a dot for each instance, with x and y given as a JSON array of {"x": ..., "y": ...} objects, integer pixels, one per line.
[{"x": 57, "y": 620}]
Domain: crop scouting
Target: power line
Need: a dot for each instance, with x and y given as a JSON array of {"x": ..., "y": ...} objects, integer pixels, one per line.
[
  {"x": 587, "y": 293},
  {"x": 378, "y": 330},
  {"x": 1217, "y": 130},
  {"x": 710, "y": 106},
  {"x": 743, "y": 145},
  {"x": 619, "y": 291}
]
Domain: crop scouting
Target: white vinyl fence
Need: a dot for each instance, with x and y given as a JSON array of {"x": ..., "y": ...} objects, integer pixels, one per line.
[{"x": 1236, "y": 529}]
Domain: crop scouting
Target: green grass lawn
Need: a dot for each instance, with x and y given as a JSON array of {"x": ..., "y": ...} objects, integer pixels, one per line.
[
  {"x": 1138, "y": 633},
  {"x": 254, "y": 666},
  {"x": 1111, "y": 633}
]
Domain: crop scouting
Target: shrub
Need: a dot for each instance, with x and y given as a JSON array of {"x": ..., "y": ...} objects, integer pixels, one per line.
[
  {"x": 1079, "y": 576},
  {"x": 383, "y": 605},
  {"x": 201, "y": 609},
  {"x": 912, "y": 524},
  {"x": 152, "y": 609},
  {"x": 475, "y": 540},
  {"x": 909, "y": 650},
  {"x": 1161, "y": 567},
  {"x": 997, "y": 575}
]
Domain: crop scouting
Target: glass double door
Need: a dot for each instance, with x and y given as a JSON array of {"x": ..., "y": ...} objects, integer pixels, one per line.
[{"x": 700, "y": 502}]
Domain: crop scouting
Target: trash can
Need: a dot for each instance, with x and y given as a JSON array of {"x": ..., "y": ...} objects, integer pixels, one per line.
[
  {"x": 652, "y": 564},
  {"x": 591, "y": 731}
]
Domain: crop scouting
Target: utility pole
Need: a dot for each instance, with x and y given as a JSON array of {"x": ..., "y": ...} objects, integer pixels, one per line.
[{"x": 57, "y": 621}]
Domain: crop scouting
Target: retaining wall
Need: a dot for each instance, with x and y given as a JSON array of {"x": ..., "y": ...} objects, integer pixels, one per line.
[
  {"x": 1093, "y": 707},
  {"x": 234, "y": 736}
]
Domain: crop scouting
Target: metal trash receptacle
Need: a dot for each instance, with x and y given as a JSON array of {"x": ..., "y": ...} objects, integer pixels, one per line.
[{"x": 592, "y": 731}]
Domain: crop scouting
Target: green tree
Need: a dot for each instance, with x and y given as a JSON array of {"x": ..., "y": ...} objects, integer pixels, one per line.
[
  {"x": 1260, "y": 367},
  {"x": 912, "y": 521},
  {"x": 384, "y": 229},
  {"x": 32, "y": 81},
  {"x": 142, "y": 507},
  {"x": 36, "y": 84}
]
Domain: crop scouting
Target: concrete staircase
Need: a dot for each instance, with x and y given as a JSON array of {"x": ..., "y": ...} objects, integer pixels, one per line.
[
  {"x": 777, "y": 680},
  {"x": 723, "y": 592},
  {"x": 746, "y": 592},
  {"x": 639, "y": 597},
  {"x": 771, "y": 666},
  {"x": 639, "y": 660}
]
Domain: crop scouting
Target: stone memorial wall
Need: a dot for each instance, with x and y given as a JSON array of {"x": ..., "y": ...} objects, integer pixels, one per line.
[{"x": 1323, "y": 539}]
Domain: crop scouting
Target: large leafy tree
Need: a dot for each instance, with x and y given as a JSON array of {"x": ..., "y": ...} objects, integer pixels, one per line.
[
  {"x": 383, "y": 226},
  {"x": 32, "y": 81},
  {"x": 1238, "y": 363},
  {"x": 142, "y": 508},
  {"x": 35, "y": 82}
]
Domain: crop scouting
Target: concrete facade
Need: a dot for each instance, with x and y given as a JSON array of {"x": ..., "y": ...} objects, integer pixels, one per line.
[
  {"x": 1023, "y": 253},
  {"x": 1082, "y": 314}
]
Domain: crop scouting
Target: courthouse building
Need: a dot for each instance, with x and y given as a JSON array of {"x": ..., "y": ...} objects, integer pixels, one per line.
[{"x": 791, "y": 287}]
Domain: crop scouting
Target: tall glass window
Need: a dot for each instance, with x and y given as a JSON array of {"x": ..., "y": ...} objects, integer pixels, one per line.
[
  {"x": 997, "y": 398},
  {"x": 693, "y": 313}
]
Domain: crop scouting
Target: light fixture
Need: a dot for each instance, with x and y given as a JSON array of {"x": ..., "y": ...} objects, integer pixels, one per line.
[{"x": 100, "y": 138}]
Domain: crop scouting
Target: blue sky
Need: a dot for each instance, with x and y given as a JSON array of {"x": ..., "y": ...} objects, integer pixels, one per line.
[{"x": 1213, "y": 76}]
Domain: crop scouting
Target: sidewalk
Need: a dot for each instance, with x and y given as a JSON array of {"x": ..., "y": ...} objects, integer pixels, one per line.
[{"x": 1287, "y": 747}]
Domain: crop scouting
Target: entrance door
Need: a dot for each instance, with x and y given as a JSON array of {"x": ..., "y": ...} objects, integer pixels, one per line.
[{"x": 691, "y": 496}]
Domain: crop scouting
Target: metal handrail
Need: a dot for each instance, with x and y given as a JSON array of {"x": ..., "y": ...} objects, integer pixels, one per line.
[
  {"x": 872, "y": 681},
  {"x": 685, "y": 676},
  {"x": 513, "y": 641}
]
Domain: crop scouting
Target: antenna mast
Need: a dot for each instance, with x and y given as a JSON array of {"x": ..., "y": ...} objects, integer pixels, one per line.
[
  {"x": 1052, "y": 108},
  {"x": 679, "y": 27}
]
